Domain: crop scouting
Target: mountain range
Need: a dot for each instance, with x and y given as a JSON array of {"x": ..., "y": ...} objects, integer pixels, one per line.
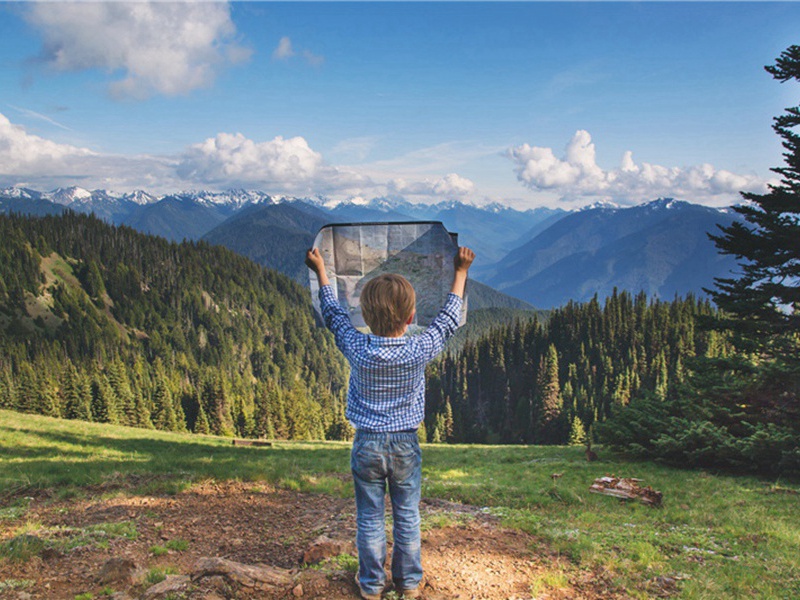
[{"x": 540, "y": 257}]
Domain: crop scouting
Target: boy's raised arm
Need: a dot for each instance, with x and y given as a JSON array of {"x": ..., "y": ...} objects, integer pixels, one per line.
[{"x": 462, "y": 261}]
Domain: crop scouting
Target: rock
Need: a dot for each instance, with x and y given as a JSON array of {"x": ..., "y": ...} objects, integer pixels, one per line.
[
  {"x": 297, "y": 592},
  {"x": 117, "y": 570},
  {"x": 264, "y": 578},
  {"x": 324, "y": 547},
  {"x": 172, "y": 585}
]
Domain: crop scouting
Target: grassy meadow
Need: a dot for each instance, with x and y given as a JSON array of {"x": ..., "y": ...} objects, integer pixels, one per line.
[{"x": 716, "y": 536}]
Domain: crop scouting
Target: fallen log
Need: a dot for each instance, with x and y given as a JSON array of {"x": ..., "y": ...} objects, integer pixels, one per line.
[
  {"x": 251, "y": 443},
  {"x": 627, "y": 488},
  {"x": 264, "y": 578}
]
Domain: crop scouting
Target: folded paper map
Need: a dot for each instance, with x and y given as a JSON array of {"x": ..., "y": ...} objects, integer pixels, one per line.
[{"x": 422, "y": 252}]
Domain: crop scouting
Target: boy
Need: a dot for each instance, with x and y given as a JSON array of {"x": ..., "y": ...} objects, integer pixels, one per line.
[{"x": 386, "y": 404}]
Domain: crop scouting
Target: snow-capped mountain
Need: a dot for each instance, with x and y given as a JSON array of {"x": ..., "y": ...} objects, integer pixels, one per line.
[
  {"x": 71, "y": 195},
  {"x": 660, "y": 247},
  {"x": 543, "y": 256}
]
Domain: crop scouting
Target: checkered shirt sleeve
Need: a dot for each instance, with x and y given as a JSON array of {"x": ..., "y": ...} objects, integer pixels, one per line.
[{"x": 387, "y": 375}]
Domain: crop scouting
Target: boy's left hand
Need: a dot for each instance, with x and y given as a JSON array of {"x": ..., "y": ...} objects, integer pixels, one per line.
[{"x": 314, "y": 261}]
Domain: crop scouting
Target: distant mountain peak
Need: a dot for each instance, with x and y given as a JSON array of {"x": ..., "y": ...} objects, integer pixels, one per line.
[
  {"x": 140, "y": 197},
  {"x": 21, "y": 192},
  {"x": 665, "y": 203},
  {"x": 601, "y": 204},
  {"x": 69, "y": 195}
]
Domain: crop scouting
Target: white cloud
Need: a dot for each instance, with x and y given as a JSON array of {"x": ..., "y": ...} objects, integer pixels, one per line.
[
  {"x": 229, "y": 160},
  {"x": 25, "y": 154},
  {"x": 151, "y": 47},
  {"x": 30, "y": 160},
  {"x": 284, "y": 50},
  {"x": 288, "y": 165},
  {"x": 578, "y": 177},
  {"x": 449, "y": 186}
]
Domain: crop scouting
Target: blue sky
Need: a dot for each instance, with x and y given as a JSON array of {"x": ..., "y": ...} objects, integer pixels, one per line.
[{"x": 523, "y": 103}]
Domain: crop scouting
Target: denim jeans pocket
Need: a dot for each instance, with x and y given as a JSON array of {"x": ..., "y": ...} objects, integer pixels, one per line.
[
  {"x": 406, "y": 459},
  {"x": 368, "y": 460}
]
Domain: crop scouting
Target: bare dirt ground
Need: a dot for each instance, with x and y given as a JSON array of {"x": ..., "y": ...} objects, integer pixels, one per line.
[{"x": 467, "y": 554}]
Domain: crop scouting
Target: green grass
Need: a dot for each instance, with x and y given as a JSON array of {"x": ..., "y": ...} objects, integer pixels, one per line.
[
  {"x": 16, "y": 584},
  {"x": 716, "y": 536},
  {"x": 33, "y": 539},
  {"x": 159, "y": 574},
  {"x": 177, "y": 545}
]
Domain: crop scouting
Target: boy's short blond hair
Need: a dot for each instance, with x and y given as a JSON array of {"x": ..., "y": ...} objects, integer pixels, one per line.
[{"x": 387, "y": 304}]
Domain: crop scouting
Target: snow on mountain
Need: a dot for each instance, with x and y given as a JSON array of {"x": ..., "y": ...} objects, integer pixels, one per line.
[
  {"x": 67, "y": 196},
  {"x": 140, "y": 197},
  {"x": 605, "y": 204},
  {"x": 665, "y": 204},
  {"x": 230, "y": 198},
  {"x": 20, "y": 192}
]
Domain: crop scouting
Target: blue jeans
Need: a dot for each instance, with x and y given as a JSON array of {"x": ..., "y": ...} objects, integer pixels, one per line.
[{"x": 396, "y": 459}]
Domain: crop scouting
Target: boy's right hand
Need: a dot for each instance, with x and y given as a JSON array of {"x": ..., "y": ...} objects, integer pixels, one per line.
[{"x": 463, "y": 258}]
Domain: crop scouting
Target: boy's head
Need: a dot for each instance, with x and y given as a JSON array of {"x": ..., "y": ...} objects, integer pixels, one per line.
[{"x": 387, "y": 304}]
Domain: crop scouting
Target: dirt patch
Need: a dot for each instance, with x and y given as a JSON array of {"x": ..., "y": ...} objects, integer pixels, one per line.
[{"x": 466, "y": 553}]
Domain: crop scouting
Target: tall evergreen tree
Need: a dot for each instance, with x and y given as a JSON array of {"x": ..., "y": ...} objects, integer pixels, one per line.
[
  {"x": 762, "y": 304},
  {"x": 550, "y": 423},
  {"x": 77, "y": 395},
  {"x": 741, "y": 408}
]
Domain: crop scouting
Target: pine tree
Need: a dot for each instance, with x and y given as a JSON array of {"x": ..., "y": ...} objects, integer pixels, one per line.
[
  {"x": 763, "y": 304},
  {"x": 163, "y": 416},
  {"x": 550, "y": 421},
  {"x": 577, "y": 433},
  {"x": 77, "y": 395}
]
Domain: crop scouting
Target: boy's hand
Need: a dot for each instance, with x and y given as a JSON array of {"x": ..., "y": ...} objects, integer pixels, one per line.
[
  {"x": 463, "y": 258},
  {"x": 461, "y": 261},
  {"x": 316, "y": 263}
]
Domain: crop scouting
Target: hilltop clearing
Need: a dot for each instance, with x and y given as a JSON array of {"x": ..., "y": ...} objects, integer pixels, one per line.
[
  {"x": 498, "y": 521},
  {"x": 467, "y": 553}
]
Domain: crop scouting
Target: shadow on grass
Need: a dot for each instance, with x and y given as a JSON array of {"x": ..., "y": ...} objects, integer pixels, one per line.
[{"x": 60, "y": 458}]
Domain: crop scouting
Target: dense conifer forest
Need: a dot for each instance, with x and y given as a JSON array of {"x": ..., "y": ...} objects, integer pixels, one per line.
[
  {"x": 106, "y": 324},
  {"x": 102, "y": 323},
  {"x": 549, "y": 381}
]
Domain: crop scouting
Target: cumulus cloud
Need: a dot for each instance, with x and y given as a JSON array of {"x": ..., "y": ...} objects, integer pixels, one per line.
[
  {"x": 285, "y": 51},
  {"x": 449, "y": 186},
  {"x": 578, "y": 176},
  {"x": 152, "y": 47},
  {"x": 23, "y": 153},
  {"x": 27, "y": 159},
  {"x": 289, "y": 165}
]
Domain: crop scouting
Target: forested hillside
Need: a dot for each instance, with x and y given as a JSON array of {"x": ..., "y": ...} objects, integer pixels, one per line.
[
  {"x": 106, "y": 324},
  {"x": 548, "y": 382}
]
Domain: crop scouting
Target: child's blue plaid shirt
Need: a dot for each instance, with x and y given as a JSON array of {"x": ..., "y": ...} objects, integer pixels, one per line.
[{"x": 387, "y": 375}]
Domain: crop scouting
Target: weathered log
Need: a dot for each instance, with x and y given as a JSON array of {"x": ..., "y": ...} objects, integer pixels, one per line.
[
  {"x": 627, "y": 488},
  {"x": 172, "y": 586},
  {"x": 261, "y": 577}
]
